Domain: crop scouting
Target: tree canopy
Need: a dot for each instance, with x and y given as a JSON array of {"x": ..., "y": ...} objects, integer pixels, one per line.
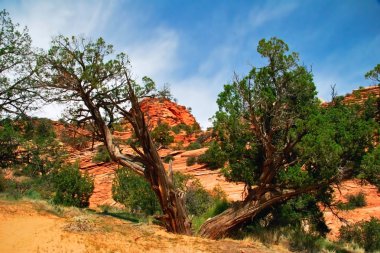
[
  {"x": 98, "y": 87},
  {"x": 279, "y": 141},
  {"x": 16, "y": 67}
]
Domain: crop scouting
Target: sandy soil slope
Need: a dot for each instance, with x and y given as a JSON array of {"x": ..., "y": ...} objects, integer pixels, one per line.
[{"x": 35, "y": 227}]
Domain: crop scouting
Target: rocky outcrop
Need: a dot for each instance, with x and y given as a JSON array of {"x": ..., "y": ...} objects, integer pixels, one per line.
[
  {"x": 359, "y": 96},
  {"x": 163, "y": 110}
]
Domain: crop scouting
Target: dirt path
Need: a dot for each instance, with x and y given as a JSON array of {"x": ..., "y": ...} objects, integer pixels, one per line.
[{"x": 33, "y": 227}]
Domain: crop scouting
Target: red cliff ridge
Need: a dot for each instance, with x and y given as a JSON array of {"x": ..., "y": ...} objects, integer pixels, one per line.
[{"x": 163, "y": 110}]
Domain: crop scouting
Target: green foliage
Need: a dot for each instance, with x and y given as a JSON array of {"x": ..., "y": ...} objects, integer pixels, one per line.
[
  {"x": 176, "y": 129},
  {"x": 214, "y": 157},
  {"x": 354, "y": 201},
  {"x": 299, "y": 220},
  {"x": 194, "y": 145},
  {"x": 101, "y": 155},
  {"x": 271, "y": 133},
  {"x": 16, "y": 63},
  {"x": 71, "y": 187},
  {"x": 168, "y": 158},
  {"x": 197, "y": 199},
  {"x": 43, "y": 152},
  {"x": 370, "y": 167},
  {"x": 2, "y": 181},
  {"x": 217, "y": 206},
  {"x": 181, "y": 180},
  {"x": 188, "y": 129},
  {"x": 374, "y": 74},
  {"x": 191, "y": 161},
  {"x": 9, "y": 142},
  {"x": 164, "y": 92},
  {"x": 365, "y": 233},
  {"x": 32, "y": 188},
  {"x": 134, "y": 192},
  {"x": 161, "y": 135}
]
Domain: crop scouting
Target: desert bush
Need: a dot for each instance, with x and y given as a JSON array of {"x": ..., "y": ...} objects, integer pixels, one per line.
[
  {"x": 168, "y": 158},
  {"x": 176, "y": 129},
  {"x": 191, "y": 161},
  {"x": 101, "y": 155},
  {"x": 71, "y": 187},
  {"x": 214, "y": 157},
  {"x": 134, "y": 192},
  {"x": 2, "y": 181},
  {"x": 197, "y": 199},
  {"x": 193, "y": 146},
  {"x": 354, "y": 201},
  {"x": 366, "y": 234},
  {"x": 9, "y": 142},
  {"x": 161, "y": 135}
]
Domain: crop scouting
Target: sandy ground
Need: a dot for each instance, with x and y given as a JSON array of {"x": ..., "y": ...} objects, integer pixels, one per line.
[{"x": 32, "y": 226}]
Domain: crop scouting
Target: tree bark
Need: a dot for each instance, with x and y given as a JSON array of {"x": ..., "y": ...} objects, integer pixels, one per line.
[
  {"x": 174, "y": 215},
  {"x": 234, "y": 217}
]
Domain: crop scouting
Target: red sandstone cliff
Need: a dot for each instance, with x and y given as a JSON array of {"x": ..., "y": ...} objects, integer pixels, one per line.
[{"x": 163, "y": 110}]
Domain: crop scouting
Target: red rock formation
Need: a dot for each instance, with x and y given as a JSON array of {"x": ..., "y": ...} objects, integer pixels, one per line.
[
  {"x": 359, "y": 96},
  {"x": 163, "y": 110}
]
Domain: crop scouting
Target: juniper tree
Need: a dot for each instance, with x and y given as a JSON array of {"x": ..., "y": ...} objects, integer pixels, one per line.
[{"x": 279, "y": 141}]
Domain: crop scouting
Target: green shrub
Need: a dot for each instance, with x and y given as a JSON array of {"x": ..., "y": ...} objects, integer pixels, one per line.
[
  {"x": 9, "y": 142},
  {"x": 2, "y": 182},
  {"x": 191, "y": 161},
  {"x": 214, "y": 157},
  {"x": 354, "y": 201},
  {"x": 193, "y": 146},
  {"x": 366, "y": 234},
  {"x": 176, "y": 129},
  {"x": 71, "y": 187},
  {"x": 168, "y": 158},
  {"x": 161, "y": 135},
  {"x": 181, "y": 180},
  {"x": 134, "y": 192},
  {"x": 197, "y": 199},
  {"x": 101, "y": 155},
  {"x": 370, "y": 167},
  {"x": 178, "y": 146}
]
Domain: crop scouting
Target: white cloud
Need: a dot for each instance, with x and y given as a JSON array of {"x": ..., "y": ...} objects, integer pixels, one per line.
[
  {"x": 270, "y": 11},
  {"x": 156, "y": 56},
  {"x": 46, "y": 19}
]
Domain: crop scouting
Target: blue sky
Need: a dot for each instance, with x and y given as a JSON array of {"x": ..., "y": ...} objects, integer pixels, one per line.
[{"x": 196, "y": 46}]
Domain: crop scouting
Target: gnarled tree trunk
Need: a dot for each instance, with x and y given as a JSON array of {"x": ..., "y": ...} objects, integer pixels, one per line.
[
  {"x": 234, "y": 217},
  {"x": 174, "y": 216}
]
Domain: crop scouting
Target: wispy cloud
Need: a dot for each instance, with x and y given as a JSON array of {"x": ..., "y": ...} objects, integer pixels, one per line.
[
  {"x": 270, "y": 11},
  {"x": 46, "y": 19},
  {"x": 156, "y": 56}
]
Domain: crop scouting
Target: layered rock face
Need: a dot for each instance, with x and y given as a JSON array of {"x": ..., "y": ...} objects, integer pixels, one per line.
[
  {"x": 162, "y": 110},
  {"x": 359, "y": 96}
]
